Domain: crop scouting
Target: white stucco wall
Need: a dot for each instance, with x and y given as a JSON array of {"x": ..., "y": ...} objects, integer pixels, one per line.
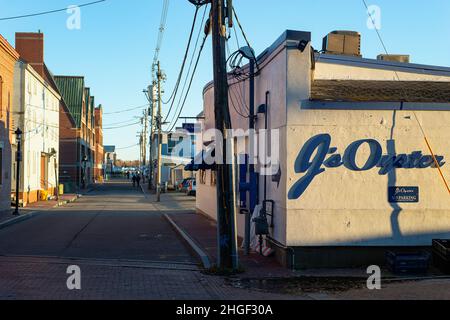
[
  {"x": 37, "y": 114},
  {"x": 343, "y": 207}
]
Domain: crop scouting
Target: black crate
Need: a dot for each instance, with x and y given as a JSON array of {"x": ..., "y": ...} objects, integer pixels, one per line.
[
  {"x": 408, "y": 262},
  {"x": 442, "y": 246},
  {"x": 441, "y": 255}
]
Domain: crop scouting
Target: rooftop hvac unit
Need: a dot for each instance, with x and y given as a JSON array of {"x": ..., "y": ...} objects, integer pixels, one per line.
[
  {"x": 394, "y": 57},
  {"x": 343, "y": 43}
]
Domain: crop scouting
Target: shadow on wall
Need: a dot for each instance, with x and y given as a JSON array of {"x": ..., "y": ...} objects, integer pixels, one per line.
[{"x": 392, "y": 180}]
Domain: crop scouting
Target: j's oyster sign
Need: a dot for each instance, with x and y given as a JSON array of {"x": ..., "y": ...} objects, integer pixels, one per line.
[{"x": 317, "y": 156}]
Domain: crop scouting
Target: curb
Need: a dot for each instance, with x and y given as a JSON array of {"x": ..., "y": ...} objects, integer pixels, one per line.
[
  {"x": 18, "y": 219},
  {"x": 64, "y": 202},
  {"x": 198, "y": 251}
]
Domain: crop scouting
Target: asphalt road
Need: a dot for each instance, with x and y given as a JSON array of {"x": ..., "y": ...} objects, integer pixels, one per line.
[{"x": 113, "y": 222}]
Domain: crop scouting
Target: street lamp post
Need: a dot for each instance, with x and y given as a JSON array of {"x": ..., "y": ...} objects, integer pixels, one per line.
[
  {"x": 18, "y": 134},
  {"x": 85, "y": 159}
]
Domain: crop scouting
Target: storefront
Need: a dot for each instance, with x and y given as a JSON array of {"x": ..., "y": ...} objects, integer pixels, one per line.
[{"x": 350, "y": 172}]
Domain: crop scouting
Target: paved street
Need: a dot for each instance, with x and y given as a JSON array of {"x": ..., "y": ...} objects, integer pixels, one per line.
[
  {"x": 123, "y": 245},
  {"x": 126, "y": 249}
]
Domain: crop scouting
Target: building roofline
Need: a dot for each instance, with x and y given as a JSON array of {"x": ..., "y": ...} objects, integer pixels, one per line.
[
  {"x": 293, "y": 35},
  {"x": 9, "y": 48},
  {"x": 382, "y": 64}
]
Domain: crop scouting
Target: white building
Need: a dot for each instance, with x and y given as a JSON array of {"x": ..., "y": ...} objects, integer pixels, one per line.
[
  {"x": 355, "y": 175},
  {"x": 36, "y": 113},
  {"x": 177, "y": 151}
]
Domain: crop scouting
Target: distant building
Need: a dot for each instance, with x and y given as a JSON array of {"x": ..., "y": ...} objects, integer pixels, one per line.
[
  {"x": 99, "y": 150},
  {"x": 177, "y": 151},
  {"x": 8, "y": 59},
  {"x": 36, "y": 113},
  {"x": 110, "y": 158},
  {"x": 81, "y": 107}
]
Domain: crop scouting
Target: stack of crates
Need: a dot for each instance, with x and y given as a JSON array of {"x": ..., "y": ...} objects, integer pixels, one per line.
[
  {"x": 441, "y": 255},
  {"x": 403, "y": 263}
]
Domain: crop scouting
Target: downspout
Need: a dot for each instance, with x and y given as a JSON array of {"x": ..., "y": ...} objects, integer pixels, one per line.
[{"x": 268, "y": 237}]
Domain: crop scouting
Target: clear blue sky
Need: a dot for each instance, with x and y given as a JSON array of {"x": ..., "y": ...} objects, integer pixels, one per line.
[{"x": 115, "y": 46}]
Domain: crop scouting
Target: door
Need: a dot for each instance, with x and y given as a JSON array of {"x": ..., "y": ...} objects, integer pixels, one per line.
[{"x": 43, "y": 172}]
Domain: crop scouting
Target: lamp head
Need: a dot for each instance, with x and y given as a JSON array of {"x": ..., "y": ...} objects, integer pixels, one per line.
[
  {"x": 247, "y": 52},
  {"x": 18, "y": 134}
]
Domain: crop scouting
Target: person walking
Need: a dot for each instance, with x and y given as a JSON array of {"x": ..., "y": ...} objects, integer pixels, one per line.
[
  {"x": 133, "y": 178},
  {"x": 138, "y": 179}
]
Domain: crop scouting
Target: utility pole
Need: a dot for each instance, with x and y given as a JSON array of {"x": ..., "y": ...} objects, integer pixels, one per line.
[
  {"x": 226, "y": 220},
  {"x": 151, "y": 96},
  {"x": 159, "y": 124},
  {"x": 144, "y": 156}
]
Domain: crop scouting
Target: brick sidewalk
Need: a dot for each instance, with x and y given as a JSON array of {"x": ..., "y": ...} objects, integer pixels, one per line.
[
  {"x": 204, "y": 232},
  {"x": 38, "y": 206},
  {"x": 181, "y": 209}
]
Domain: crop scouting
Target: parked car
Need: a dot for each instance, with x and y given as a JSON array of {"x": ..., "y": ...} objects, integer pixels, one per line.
[
  {"x": 192, "y": 188},
  {"x": 183, "y": 186}
]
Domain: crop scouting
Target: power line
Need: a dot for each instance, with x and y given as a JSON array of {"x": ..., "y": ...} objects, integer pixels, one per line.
[
  {"x": 175, "y": 90},
  {"x": 162, "y": 28},
  {"x": 190, "y": 83},
  {"x": 436, "y": 162},
  {"x": 245, "y": 36},
  {"x": 122, "y": 111},
  {"x": 189, "y": 69},
  {"x": 123, "y": 126},
  {"x": 49, "y": 12},
  {"x": 129, "y": 147}
]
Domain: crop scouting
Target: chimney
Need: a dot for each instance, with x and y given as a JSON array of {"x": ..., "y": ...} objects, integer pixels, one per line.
[{"x": 30, "y": 46}]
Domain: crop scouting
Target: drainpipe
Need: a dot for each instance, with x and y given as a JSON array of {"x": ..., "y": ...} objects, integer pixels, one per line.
[{"x": 253, "y": 178}]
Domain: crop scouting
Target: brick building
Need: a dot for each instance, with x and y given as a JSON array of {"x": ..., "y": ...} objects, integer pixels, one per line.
[
  {"x": 8, "y": 58},
  {"x": 99, "y": 152},
  {"x": 81, "y": 107}
]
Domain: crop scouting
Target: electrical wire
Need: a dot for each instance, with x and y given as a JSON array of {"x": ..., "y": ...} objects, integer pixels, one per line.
[
  {"x": 190, "y": 83},
  {"x": 48, "y": 12},
  {"x": 177, "y": 84},
  {"x": 436, "y": 162},
  {"x": 129, "y": 147},
  {"x": 245, "y": 36},
  {"x": 123, "y": 126},
  {"x": 162, "y": 28},
  {"x": 189, "y": 68}
]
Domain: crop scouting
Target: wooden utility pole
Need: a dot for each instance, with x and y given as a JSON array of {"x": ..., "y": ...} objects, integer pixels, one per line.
[
  {"x": 144, "y": 160},
  {"x": 226, "y": 220},
  {"x": 151, "y": 94},
  {"x": 159, "y": 124}
]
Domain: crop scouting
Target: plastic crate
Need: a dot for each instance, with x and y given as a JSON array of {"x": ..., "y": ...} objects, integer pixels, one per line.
[
  {"x": 408, "y": 262},
  {"x": 441, "y": 255}
]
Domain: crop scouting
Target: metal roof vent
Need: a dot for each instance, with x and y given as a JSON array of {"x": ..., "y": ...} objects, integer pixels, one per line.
[{"x": 343, "y": 43}]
